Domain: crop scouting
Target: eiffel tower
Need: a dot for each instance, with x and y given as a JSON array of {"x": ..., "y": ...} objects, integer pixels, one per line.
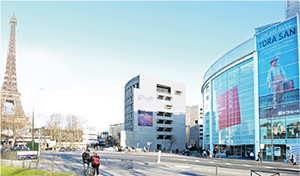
[{"x": 13, "y": 119}]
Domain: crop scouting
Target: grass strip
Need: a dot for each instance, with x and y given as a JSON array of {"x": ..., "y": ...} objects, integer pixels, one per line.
[{"x": 17, "y": 171}]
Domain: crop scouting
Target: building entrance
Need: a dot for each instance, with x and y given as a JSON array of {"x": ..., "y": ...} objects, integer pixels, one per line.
[{"x": 238, "y": 150}]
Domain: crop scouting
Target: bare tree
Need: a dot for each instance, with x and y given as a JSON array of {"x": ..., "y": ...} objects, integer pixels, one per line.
[
  {"x": 14, "y": 126},
  {"x": 74, "y": 129},
  {"x": 54, "y": 127}
]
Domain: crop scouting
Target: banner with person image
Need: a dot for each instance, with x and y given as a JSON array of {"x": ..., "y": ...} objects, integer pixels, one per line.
[{"x": 278, "y": 70}]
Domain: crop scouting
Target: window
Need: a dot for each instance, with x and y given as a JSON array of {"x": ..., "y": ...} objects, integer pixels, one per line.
[
  {"x": 168, "y": 122},
  {"x": 160, "y": 113},
  {"x": 163, "y": 89},
  {"x": 265, "y": 129},
  {"x": 168, "y": 129},
  {"x": 167, "y": 114},
  {"x": 160, "y": 121},
  {"x": 169, "y": 137},
  {"x": 160, "y": 129},
  {"x": 160, "y": 97},
  {"x": 168, "y": 107},
  {"x": 293, "y": 127},
  {"x": 160, "y": 136},
  {"x": 168, "y": 98},
  {"x": 178, "y": 92}
]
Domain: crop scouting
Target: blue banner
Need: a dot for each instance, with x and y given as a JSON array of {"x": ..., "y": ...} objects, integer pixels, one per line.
[{"x": 278, "y": 70}]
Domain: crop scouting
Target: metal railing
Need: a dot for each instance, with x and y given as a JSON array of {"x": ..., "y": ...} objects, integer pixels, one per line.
[{"x": 256, "y": 173}]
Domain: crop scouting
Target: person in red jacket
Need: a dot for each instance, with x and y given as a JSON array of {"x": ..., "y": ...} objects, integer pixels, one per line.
[{"x": 95, "y": 163}]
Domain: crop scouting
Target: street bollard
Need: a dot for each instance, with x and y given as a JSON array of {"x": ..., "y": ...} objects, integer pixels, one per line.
[
  {"x": 52, "y": 165},
  {"x": 70, "y": 170},
  {"x": 158, "y": 160},
  {"x": 216, "y": 170},
  {"x": 29, "y": 164},
  {"x": 23, "y": 164}
]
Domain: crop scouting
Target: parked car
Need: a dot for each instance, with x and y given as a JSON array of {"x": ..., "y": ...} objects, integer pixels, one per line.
[
  {"x": 63, "y": 149},
  {"x": 4, "y": 149},
  {"x": 75, "y": 149},
  {"x": 26, "y": 149}
]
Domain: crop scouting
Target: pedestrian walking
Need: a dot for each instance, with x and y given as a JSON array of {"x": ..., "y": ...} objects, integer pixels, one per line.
[
  {"x": 227, "y": 153},
  {"x": 251, "y": 155},
  {"x": 209, "y": 153},
  {"x": 95, "y": 163},
  {"x": 293, "y": 160},
  {"x": 259, "y": 157},
  {"x": 176, "y": 150},
  {"x": 86, "y": 162},
  {"x": 215, "y": 153},
  {"x": 204, "y": 153},
  {"x": 248, "y": 154}
]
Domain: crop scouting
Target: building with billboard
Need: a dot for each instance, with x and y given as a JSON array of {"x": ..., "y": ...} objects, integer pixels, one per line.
[
  {"x": 251, "y": 95},
  {"x": 154, "y": 114}
]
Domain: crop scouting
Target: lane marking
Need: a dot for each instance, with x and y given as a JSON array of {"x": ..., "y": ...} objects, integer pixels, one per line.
[
  {"x": 228, "y": 163},
  {"x": 269, "y": 167},
  {"x": 246, "y": 165},
  {"x": 186, "y": 167},
  {"x": 211, "y": 162}
]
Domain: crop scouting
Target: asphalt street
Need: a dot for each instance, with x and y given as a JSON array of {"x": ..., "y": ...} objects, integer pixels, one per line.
[{"x": 120, "y": 163}]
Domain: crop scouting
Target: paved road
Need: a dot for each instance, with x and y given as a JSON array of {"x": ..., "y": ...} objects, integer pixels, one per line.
[{"x": 146, "y": 164}]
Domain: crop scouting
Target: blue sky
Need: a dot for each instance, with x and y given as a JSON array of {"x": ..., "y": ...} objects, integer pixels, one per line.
[{"x": 76, "y": 57}]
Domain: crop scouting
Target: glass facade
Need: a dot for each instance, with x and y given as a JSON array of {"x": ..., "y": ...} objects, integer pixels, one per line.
[
  {"x": 233, "y": 106},
  {"x": 229, "y": 110},
  {"x": 230, "y": 57}
]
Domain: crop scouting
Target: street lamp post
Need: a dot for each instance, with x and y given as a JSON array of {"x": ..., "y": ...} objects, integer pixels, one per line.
[
  {"x": 40, "y": 141},
  {"x": 32, "y": 140}
]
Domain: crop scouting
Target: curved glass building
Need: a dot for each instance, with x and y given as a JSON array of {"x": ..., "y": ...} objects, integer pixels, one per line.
[{"x": 251, "y": 95}]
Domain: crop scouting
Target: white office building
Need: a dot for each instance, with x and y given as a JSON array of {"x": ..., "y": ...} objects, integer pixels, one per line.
[{"x": 154, "y": 114}]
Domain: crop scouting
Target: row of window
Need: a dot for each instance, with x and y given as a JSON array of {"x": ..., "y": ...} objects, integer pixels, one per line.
[
  {"x": 164, "y": 136},
  {"x": 129, "y": 108},
  {"x": 162, "y": 97},
  {"x": 280, "y": 128},
  {"x": 129, "y": 115},
  {"x": 166, "y": 90},
  {"x": 162, "y": 129},
  {"x": 161, "y": 121},
  {"x": 129, "y": 90},
  {"x": 129, "y": 100}
]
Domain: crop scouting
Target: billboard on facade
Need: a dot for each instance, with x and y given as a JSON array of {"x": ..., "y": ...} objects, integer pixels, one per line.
[
  {"x": 278, "y": 70},
  {"x": 229, "y": 109},
  {"x": 145, "y": 118}
]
